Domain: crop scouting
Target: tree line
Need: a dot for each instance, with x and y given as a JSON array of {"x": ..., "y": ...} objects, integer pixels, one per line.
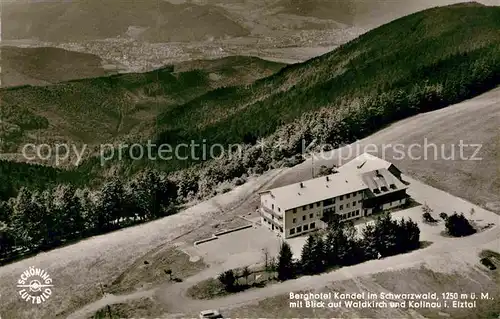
[
  {"x": 36, "y": 220},
  {"x": 342, "y": 246}
]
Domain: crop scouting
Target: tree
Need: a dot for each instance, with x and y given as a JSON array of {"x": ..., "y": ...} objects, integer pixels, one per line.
[
  {"x": 5, "y": 212},
  {"x": 111, "y": 205},
  {"x": 285, "y": 266},
  {"x": 369, "y": 242},
  {"x": 26, "y": 220},
  {"x": 228, "y": 279},
  {"x": 68, "y": 209},
  {"x": 7, "y": 239},
  {"x": 386, "y": 235},
  {"x": 152, "y": 196},
  {"x": 245, "y": 273},
  {"x": 443, "y": 216},
  {"x": 319, "y": 255},
  {"x": 351, "y": 250},
  {"x": 408, "y": 236},
  {"x": 307, "y": 258},
  {"x": 459, "y": 226},
  {"x": 331, "y": 248}
]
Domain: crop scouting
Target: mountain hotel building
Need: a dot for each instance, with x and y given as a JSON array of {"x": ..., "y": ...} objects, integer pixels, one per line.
[{"x": 361, "y": 187}]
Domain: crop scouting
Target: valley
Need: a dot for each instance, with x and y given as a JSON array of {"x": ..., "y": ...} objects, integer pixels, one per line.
[{"x": 300, "y": 88}]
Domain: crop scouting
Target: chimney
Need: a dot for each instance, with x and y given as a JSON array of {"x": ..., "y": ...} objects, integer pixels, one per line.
[{"x": 301, "y": 185}]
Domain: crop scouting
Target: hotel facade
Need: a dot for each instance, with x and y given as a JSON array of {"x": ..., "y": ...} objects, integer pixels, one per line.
[{"x": 364, "y": 186}]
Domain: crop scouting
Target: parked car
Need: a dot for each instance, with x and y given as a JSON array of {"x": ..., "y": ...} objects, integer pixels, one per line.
[{"x": 210, "y": 314}]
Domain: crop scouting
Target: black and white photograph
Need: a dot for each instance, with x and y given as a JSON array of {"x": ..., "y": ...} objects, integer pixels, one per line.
[{"x": 178, "y": 159}]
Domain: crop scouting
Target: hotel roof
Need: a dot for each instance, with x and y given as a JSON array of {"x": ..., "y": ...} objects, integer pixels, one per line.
[
  {"x": 365, "y": 163},
  {"x": 317, "y": 189},
  {"x": 382, "y": 182},
  {"x": 362, "y": 173}
]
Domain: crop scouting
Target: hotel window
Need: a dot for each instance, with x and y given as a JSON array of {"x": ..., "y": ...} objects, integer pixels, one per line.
[
  {"x": 313, "y": 225},
  {"x": 311, "y": 205},
  {"x": 311, "y": 215},
  {"x": 304, "y": 207},
  {"x": 294, "y": 210},
  {"x": 317, "y": 204},
  {"x": 341, "y": 197},
  {"x": 341, "y": 207},
  {"x": 327, "y": 202},
  {"x": 349, "y": 215},
  {"x": 354, "y": 203},
  {"x": 347, "y": 205},
  {"x": 304, "y": 217},
  {"x": 359, "y": 201},
  {"x": 348, "y": 195},
  {"x": 294, "y": 220},
  {"x": 292, "y": 231},
  {"x": 299, "y": 229},
  {"x": 306, "y": 227}
]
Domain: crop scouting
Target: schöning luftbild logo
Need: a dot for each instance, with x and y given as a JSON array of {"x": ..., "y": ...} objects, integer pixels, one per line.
[{"x": 35, "y": 285}]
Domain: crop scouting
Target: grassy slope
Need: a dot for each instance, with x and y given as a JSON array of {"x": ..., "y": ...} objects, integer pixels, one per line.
[
  {"x": 414, "y": 64},
  {"x": 50, "y": 65},
  {"x": 436, "y": 45},
  {"x": 101, "y": 109}
]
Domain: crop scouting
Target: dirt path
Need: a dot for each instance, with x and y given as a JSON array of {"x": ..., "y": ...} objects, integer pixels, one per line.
[
  {"x": 110, "y": 299},
  {"x": 176, "y": 300}
]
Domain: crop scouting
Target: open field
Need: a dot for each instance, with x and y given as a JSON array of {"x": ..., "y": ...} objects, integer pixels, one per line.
[{"x": 78, "y": 269}]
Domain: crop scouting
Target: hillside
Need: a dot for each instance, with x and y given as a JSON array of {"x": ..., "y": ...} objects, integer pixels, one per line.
[
  {"x": 418, "y": 63},
  {"x": 45, "y": 65},
  {"x": 13, "y": 176},
  {"x": 102, "y": 109},
  {"x": 150, "y": 20},
  {"x": 341, "y": 11}
]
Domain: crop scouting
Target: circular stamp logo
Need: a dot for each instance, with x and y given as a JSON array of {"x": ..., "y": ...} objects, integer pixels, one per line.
[{"x": 35, "y": 285}]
